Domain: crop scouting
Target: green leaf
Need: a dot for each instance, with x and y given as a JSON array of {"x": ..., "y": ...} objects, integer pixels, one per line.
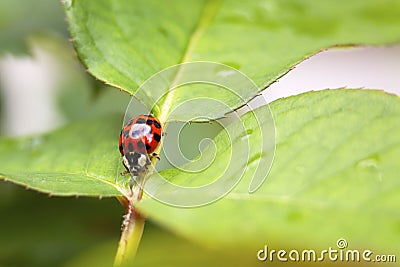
[
  {"x": 334, "y": 175},
  {"x": 78, "y": 159},
  {"x": 158, "y": 242},
  {"x": 125, "y": 42},
  {"x": 155, "y": 250}
]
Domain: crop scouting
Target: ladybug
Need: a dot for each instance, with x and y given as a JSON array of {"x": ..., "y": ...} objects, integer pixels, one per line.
[{"x": 139, "y": 138}]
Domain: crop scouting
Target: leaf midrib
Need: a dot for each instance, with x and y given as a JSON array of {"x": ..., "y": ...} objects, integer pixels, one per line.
[{"x": 206, "y": 15}]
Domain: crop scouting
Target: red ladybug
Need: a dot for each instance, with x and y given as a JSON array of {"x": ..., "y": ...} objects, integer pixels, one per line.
[{"x": 138, "y": 139}]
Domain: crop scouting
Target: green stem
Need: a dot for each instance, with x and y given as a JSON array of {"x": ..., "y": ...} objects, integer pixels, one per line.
[
  {"x": 132, "y": 226},
  {"x": 132, "y": 231}
]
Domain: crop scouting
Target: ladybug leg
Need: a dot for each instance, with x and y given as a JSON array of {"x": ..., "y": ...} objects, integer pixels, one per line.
[
  {"x": 124, "y": 173},
  {"x": 125, "y": 163},
  {"x": 155, "y": 155}
]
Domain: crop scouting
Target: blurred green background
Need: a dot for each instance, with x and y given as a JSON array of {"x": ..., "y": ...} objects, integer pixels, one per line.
[{"x": 43, "y": 86}]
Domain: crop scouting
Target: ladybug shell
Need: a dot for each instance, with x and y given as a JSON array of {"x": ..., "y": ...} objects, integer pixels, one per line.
[{"x": 141, "y": 134}]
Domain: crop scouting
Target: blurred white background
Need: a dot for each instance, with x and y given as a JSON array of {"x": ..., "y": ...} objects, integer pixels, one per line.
[{"x": 362, "y": 67}]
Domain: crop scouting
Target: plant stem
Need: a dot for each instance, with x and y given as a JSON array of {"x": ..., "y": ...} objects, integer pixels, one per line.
[
  {"x": 132, "y": 231},
  {"x": 132, "y": 226}
]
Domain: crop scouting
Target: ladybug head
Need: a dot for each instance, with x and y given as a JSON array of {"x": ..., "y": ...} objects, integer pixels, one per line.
[{"x": 135, "y": 162}]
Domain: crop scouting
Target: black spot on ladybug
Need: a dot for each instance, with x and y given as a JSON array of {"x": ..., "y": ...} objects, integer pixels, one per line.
[
  {"x": 157, "y": 137},
  {"x": 130, "y": 147},
  {"x": 140, "y": 144},
  {"x": 157, "y": 125},
  {"x": 148, "y": 147},
  {"x": 141, "y": 121},
  {"x": 126, "y": 134},
  {"x": 149, "y": 122}
]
